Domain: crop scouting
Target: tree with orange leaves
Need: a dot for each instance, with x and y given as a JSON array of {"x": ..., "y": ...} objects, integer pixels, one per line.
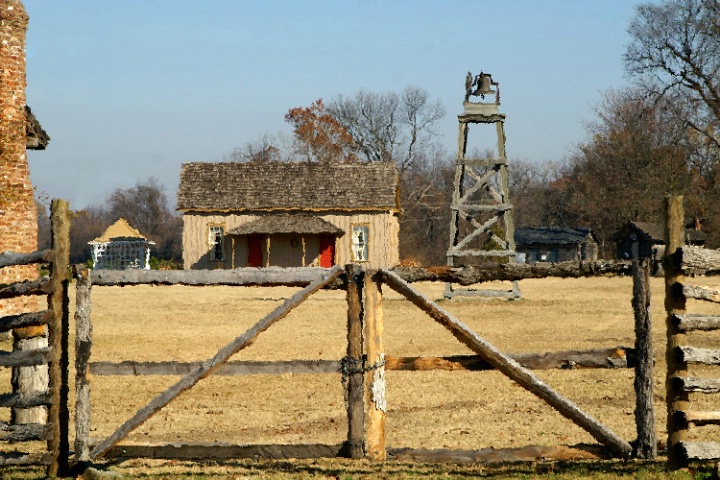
[{"x": 319, "y": 136}]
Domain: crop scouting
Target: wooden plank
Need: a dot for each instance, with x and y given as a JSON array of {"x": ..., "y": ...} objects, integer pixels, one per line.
[
  {"x": 8, "y": 259},
  {"x": 489, "y": 293},
  {"x": 476, "y": 162},
  {"x": 39, "y": 286},
  {"x": 58, "y": 443},
  {"x": 700, "y": 261},
  {"x": 19, "y": 458},
  {"x": 374, "y": 368},
  {"x": 25, "y": 358},
  {"x": 617, "y": 357},
  {"x": 689, "y": 322},
  {"x": 24, "y": 400},
  {"x": 510, "y": 367},
  {"x": 699, "y": 418},
  {"x": 83, "y": 350},
  {"x": 512, "y": 271},
  {"x": 530, "y": 453},
  {"x": 646, "y": 443},
  {"x": 704, "y": 356},
  {"x": 698, "y": 292},
  {"x": 675, "y": 301},
  {"x": 699, "y": 450},
  {"x": 567, "y": 360},
  {"x": 211, "y": 364},
  {"x": 23, "y": 433},
  {"x": 130, "y": 367},
  {"x": 353, "y": 362},
  {"x": 695, "y": 385},
  {"x": 504, "y": 207},
  {"x": 481, "y": 253},
  {"x": 25, "y": 320},
  {"x": 223, "y": 451},
  {"x": 480, "y": 182},
  {"x": 270, "y": 276}
]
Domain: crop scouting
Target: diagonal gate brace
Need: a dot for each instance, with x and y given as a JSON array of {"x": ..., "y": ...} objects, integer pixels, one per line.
[
  {"x": 509, "y": 367},
  {"x": 208, "y": 366}
]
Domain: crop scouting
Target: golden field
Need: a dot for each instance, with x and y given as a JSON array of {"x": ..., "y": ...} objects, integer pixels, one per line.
[{"x": 430, "y": 409}]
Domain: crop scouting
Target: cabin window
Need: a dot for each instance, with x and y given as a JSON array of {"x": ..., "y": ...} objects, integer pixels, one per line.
[
  {"x": 360, "y": 234},
  {"x": 216, "y": 242}
]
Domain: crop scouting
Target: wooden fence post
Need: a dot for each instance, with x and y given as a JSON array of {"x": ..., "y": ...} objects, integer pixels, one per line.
[
  {"x": 677, "y": 400},
  {"x": 375, "y": 406},
  {"x": 352, "y": 365},
  {"x": 646, "y": 446},
  {"x": 83, "y": 345},
  {"x": 58, "y": 415}
]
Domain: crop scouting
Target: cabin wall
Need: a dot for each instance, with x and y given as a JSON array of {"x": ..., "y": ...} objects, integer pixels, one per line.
[
  {"x": 383, "y": 250},
  {"x": 587, "y": 251}
]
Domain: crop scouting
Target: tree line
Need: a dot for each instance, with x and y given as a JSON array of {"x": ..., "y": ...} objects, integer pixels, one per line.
[
  {"x": 146, "y": 208},
  {"x": 656, "y": 137}
]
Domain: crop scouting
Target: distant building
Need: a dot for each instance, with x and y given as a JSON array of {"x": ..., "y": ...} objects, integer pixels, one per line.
[
  {"x": 121, "y": 247},
  {"x": 555, "y": 244},
  {"x": 289, "y": 214},
  {"x": 647, "y": 240}
]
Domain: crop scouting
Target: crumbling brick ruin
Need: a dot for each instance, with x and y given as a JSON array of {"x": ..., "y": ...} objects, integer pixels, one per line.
[
  {"x": 18, "y": 218},
  {"x": 18, "y": 215}
]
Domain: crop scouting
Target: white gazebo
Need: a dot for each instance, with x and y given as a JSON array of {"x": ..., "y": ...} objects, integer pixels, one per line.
[{"x": 121, "y": 247}]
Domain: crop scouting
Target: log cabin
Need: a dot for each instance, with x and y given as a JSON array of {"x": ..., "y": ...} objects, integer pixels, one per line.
[
  {"x": 262, "y": 214},
  {"x": 555, "y": 244}
]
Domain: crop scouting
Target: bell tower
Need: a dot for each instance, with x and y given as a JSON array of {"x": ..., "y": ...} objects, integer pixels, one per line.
[{"x": 481, "y": 224}]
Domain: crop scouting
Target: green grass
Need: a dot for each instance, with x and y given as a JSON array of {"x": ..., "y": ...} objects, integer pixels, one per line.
[{"x": 356, "y": 470}]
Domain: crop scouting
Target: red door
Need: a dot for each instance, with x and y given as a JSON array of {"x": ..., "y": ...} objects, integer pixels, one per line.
[
  {"x": 254, "y": 251},
  {"x": 327, "y": 251}
]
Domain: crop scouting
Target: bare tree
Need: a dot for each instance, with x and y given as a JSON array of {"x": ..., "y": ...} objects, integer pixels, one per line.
[
  {"x": 264, "y": 149},
  {"x": 637, "y": 153},
  {"x": 389, "y": 126},
  {"x": 533, "y": 188},
  {"x": 675, "y": 50},
  {"x": 145, "y": 207},
  {"x": 87, "y": 225}
]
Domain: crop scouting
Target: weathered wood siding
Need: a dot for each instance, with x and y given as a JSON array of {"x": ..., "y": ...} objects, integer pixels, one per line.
[{"x": 383, "y": 242}]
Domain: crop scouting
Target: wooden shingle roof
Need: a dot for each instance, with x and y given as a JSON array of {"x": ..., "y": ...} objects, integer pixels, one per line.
[
  {"x": 551, "y": 236},
  {"x": 282, "y": 186},
  {"x": 284, "y": 223}
]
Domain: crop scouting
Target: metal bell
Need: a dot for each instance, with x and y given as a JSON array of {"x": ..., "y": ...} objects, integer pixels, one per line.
[{"x": 483, "y": 82}]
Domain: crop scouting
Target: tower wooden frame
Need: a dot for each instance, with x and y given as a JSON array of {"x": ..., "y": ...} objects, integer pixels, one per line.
[{"x": 481, "y": 208}]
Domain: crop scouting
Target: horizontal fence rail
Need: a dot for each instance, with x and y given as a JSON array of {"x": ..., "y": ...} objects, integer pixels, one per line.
[
  {"x": 55, "y": 355},
  {"x": 271, "y": 276},
  {"x": 597, "y": 358}
]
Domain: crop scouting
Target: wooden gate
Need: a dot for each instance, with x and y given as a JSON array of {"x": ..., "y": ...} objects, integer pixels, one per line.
[{"x": 363, "y": 368}]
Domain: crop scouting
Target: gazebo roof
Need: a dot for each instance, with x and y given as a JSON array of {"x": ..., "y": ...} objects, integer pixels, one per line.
[
  {"x": 300, "y": 224},
  {"x": 120, "y": 231}
]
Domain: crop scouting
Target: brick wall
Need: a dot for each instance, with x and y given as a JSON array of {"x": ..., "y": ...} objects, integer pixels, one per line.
[{"x": 18, "y": 220}]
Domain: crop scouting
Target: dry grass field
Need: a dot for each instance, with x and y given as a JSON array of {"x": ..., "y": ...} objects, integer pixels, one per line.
[{"x": 435, "y": 409}]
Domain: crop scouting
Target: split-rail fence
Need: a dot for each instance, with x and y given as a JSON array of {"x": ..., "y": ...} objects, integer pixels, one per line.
[
  {"x": 363, "y": 368},
  {"x": 55, "y": 317},
  {"x": 680, "y": 385}
]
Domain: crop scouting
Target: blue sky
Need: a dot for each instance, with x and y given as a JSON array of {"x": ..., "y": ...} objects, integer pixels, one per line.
[{"x": 132, "y": 89}]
